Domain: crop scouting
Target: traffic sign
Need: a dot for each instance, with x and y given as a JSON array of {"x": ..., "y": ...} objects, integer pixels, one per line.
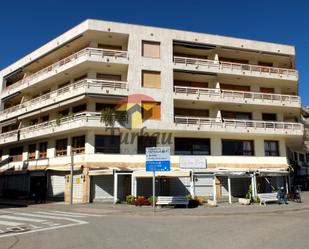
[{"x": 158, "y": 159}]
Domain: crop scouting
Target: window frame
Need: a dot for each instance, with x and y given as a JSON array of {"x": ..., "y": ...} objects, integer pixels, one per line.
[
  {"x": 76, "y": 147},
  {"x": 153, "y": 43},
  {"x": 62, "y": 151},
  {"x": 269, "y": 151},
  {"x": 107, "y": 149},
  {"x": 184, "y": 141},
  {"x": 244, "y": 152}
]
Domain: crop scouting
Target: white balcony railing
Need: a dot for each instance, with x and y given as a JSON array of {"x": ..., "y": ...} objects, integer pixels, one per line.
[
  {"x": 221, "y": 65},
  {"x": 80, "y": 87},
  {"x": 256, "y": 97},
  {"x": 235, "y": 125},
  {"x": 90, "y": 52},
  {"x": 84, "y": 119}
]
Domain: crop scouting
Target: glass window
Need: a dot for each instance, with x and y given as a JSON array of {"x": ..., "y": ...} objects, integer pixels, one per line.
[
  {"x": 107, "y": 144},
  {"x": 145, "y": 141},
  {"x": 79, "y": 108},
  {"x": 237, "y": 148},
  {"x": 61, "y": 147},
  {"x": 301, "y": 157},
  {"x": 271, "y": 148},
  {"x": 16, "y": 154},
  {"x": 192, "y": 146},
  {"x": 31, "y": 151},
  {"x": 43, "y": 150},
  {"x": 78, "y": 145}
]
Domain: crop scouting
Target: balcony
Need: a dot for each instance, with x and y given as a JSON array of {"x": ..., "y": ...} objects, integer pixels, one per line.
[
  {"x": 239, "y": 126},
  {"x": 70, "y": 123},
  {"x": 93, "y": 86},
  {"x": 239, "y": 97},
  {"x": 92, "y": 54},
  {"x": 214, "y": 66}
]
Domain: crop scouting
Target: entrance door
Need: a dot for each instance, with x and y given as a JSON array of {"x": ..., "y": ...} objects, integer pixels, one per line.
[
  {"x": 38, "y": 187},
  {"x": 164, "y": 186}
]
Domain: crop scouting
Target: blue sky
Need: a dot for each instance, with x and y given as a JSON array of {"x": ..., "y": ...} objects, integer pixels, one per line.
[{"x": 26, "y": 25}]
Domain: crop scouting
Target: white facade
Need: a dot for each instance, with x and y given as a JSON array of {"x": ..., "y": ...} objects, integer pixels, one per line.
[{"x": 247, "y": 89}]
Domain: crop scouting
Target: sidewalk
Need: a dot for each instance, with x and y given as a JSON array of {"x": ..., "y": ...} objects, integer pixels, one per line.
[{"x": 124, "y": 209}]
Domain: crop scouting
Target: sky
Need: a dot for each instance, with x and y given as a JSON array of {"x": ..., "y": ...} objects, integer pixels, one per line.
[{"x": 26, "y": 25}]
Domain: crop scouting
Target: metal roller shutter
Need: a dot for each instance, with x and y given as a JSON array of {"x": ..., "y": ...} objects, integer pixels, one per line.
[
  {"x": 179, "y": 186},
  {"x": 204, "y": 185},
  {"x": 56, "y": 186},
  {"x": 102, "y": 188}
]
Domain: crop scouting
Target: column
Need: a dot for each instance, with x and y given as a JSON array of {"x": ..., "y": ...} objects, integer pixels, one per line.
[
  {"x": 214, "y": 189},
  {"x": 229, "y": 188},
  {"x": 192, "y": 187},
  {"x": 287, "y": 184},
  {"x": 115, "y": 187},
  {"x": 133, "y": 185}
]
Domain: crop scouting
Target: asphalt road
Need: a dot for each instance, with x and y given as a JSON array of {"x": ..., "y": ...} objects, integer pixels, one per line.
[{"x": 113, "y": 231}]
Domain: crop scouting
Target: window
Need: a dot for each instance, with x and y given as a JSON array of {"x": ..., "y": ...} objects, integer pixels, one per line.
[
  {"x": 109, "y": 47},
  {"x": 151, "y": 49},
  {"x": 78, "y": 145},
  {"x": 34, "y": 121},
  {"x": 79, "y": 108},
  {"x": 237, "y": 148},
  {"x": 111, "y": 77},
  {"x": 61, "y": 147},
  {"x": 237, "y": 115},
  {"x": 107, "y": 144},
  {"x": 235, "y": 87},
  {"x": 151, "y": 110},
  {"x": 267, "y": 90},
  {"x": 31, "y": 151},
  {"x": 192, "y": 146},
  {"x": 44, "y": 118},
  {"x": 145, "y": 141},
  {"x": 191, "y": 112},
  {"x": 101, "y": 106},
  {"x": 269, "y": 116},
  {"x": 151, "y": 79},
  {"x": 295, "y": 156},
  {"x": 301, "y": 157},
  {"x": 80, "y": 78},
  {"x": 16, "y": 154},
  {"x": 43, "y": 150},
  {"x": 271, "y": 148},
  {"x": 64, "y": 113}
]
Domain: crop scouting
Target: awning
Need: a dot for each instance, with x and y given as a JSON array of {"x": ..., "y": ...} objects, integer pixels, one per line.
[
  {"x": 101, "y": 172},
  {"x": 173, "y": 173},
  {"x": 64, "y": 167}
]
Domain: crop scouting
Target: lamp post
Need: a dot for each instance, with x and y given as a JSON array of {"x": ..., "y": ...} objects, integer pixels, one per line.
[{"x": 71, "y": 176}]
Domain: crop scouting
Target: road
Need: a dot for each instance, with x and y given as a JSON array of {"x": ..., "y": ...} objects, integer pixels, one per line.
[{"x": 50, "y": 229}]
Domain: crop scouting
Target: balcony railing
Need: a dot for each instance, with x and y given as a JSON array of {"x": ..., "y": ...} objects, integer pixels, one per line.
[
  {"x": 66, "y": 123},
  {"x": 221, "y": 65},
  {"x": 241, "y": 95},
  {"x": 91, "y": 52},
  {"x": 54, "y": 96},
  {"x": 235, "y": 125}
]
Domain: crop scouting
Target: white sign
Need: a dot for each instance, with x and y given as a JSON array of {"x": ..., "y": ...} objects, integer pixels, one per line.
[
  {"x": 192, "y": 162},
  {"x": 157, "y": 153}
]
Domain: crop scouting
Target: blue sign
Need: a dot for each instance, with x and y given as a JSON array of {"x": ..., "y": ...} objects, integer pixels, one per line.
[
  {"x": 158, "y": 159},
  {"x": 158, "y": 166}
]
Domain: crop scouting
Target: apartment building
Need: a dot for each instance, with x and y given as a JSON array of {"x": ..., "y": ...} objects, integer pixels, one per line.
[
  {"x": 300, "y": 157},
  {"x": 233, "y": 101}
]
